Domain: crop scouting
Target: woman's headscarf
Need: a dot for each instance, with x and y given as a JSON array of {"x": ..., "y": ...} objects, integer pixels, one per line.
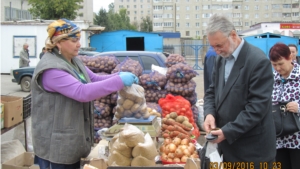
[{"x": 59, "y": 30}]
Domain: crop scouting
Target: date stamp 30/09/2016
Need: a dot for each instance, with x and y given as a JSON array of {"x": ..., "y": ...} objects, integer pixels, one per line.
[{"x": 244, "y": 165}]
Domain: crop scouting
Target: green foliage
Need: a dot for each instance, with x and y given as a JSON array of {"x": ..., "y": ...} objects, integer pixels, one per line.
[
  {"x": 54, "y": 9},
  {"x": 113, "y": 21},
  {"x": 146, "y": 24}
]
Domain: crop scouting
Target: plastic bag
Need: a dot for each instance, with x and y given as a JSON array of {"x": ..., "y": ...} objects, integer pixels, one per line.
[
  {"x": 132, "y": 103},
  {"x": 180, "y": 73},
  {"x": 153, "y": 80},
  {"x": 131, "y": 135}
]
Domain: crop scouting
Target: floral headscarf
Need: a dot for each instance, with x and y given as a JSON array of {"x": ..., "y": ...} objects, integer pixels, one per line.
[{"x": 61, "y": 29}]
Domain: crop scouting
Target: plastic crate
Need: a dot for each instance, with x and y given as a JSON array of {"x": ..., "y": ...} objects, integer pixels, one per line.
[{"x": 26, "y": 106}]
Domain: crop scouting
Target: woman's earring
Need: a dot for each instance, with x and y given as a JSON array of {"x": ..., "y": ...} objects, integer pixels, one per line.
[{"x": 59, "y": 52}]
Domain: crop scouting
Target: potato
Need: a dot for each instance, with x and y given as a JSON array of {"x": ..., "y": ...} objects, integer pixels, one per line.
[
  {"x": 135, "y": 108},
  {"x": 127, "y": 104}
]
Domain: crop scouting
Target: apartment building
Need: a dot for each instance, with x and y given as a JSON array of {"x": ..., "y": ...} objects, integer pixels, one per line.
[
  {"x": 190, "y": 17},
  {"x": 17, "y": 10}
]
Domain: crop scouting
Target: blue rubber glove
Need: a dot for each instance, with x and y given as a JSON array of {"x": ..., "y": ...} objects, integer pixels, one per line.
[{"x": 127, "y": 78}]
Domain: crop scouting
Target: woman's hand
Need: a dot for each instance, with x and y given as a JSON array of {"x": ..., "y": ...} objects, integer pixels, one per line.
[{"x": 292, "y": 107}]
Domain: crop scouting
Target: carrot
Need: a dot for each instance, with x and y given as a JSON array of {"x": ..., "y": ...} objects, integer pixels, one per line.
[
  {"x": 165, "y": 135},
  {"x": 182, "y": 136},
  {"x": 174, "y": 123}
]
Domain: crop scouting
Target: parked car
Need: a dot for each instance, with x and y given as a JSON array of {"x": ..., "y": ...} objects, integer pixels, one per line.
[
  {"x": 22, "y": 76},
  {"x": 146, "y": 59}
]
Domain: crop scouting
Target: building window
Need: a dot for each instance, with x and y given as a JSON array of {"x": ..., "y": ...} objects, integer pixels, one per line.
[
  {"x": 128, "y": 0},
  {"x": 235, "y": 6},
  {"x": 177, "y": 8},
  {"x": 295, "y": 5},
  {"x": 168, "y": 24},
  {"x": 197, "y": 24},
  {"x": 128, "y": 12},
  {"x": 134, "y": 18},
  {"x": 205, "y": 15},
  {"x": 197, "y": 8},
  {"x": 205, "y": 6},
  {"x": 204, "y": 24},
  {"x": 286, "y": 6},
  {"x": 286, "y": 15},
  {"x": 187, "y": 25},
  {"x": 127, "y": 6},
  {"x": 177, "y": 25},
  {"x": 177, "y": 16},
  {"x": 197, "y": 33},
  {"x": 134, "y": 6},
  {"x": 295, "y": 14},
  {"x": 197, "y": 16},
  {"x": 120, "y": 6},
  {"x": 276, "y": 14},
  {"x": 17, "y": 14},
  {"x": 256, "y": 15},
  {"x": 266, "y": 15},
  {"x": 141, "y": 1},
  {"x": 246, "y": 23},
  {"x": 266, "y": 7},
  {"x": 216, "y": 7},
  {"x": 187, "y": 17},
  {"x": 256, "y": 7},
  {"x": 141, "y": 6},
  {"x": 275, "y": 6},
  {"x": 187, "y": 8},
  {"x": 246, "y": 7},
  {"x": 187, "y": 33},
  {"x": 142, "y": 12},
  {"x": 135, "y": 12},
  {"x": 121, "y": 0},
  {"x": 187, "y": 0},
  {"x": 236, "y": 15}
]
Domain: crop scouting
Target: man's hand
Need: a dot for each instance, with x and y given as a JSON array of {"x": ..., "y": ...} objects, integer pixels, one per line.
[
  {"x": 220, "y": 135},
  {"x": 209, "y": 123},
  {"x": 292, "y": 107}
]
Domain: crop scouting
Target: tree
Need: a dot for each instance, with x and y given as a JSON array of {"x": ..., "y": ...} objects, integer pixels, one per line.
[
  {"x": 113, "y": 21},
  {"x": 54, "y": 9},
  {"x": 146, "y": 25}
]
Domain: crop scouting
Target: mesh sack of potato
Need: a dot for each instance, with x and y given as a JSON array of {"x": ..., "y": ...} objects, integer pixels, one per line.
[
  {"x": 100, "y": 63},
  {"x": 102, "y": 109},
  {"x": 153, "y": 95},
  {"x": 102, "y": 122},
  {"x": 129, "y": 65},
  {"x": 173, "y": 59},
  {"x": 183, "y": 89},
  {"x": 154, "y": 105},
  {"x": 114, "y": 98},
  {"x": 132, "y": 103},
  {"x": 195, "y": 113},
  {"x": 192, "y": 98},
  {"x": 131, "y": 135},
  {"x": 180, "y": 73},
  {"x": 153, "y": 80}
]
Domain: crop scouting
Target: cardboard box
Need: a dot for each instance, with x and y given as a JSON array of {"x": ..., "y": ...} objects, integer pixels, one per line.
[
  {"x": 192, "y": 163},
  {"x": 13, "y": 110},
  {"x": 22, "y": 161},
  {"x": 2, "y": 115}
]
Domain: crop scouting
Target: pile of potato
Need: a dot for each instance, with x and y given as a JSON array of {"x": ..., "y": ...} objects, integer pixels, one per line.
[
  {"x": 102, "y": 109},
  {"x": 100, "y": 63},
  {"x": 173, "y": 59},
  {"x": 129, "y": 65},
  {"x": 180, "y": 73},
  {"x": 132, "y": 103}
]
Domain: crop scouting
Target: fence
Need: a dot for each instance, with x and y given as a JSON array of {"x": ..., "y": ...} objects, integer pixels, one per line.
[{"x": 192, "y": 50}]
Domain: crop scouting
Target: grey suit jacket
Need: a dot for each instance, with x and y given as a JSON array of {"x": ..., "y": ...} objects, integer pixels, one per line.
[
  {"x": 242, "y": 107},
  {"x": 24, "y": 59}
]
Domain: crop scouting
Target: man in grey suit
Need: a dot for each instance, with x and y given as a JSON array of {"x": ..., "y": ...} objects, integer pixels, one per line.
[
  {"x": 239, "y": 99},
  {"x": 24, "y": 56}
]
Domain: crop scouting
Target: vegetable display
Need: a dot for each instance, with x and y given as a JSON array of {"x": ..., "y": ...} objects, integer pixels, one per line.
[{"x": 153, "y": 80}]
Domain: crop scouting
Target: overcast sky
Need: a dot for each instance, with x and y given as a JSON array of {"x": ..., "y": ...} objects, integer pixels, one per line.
[{"x": 101, "y": 3}]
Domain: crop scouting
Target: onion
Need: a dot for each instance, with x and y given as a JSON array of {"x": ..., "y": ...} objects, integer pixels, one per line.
[
  {"x": 176, "y": 141},
  {"x": 186, "y": 152},
  {"x": 171, "y": 155},
  {"x": 177, "y": 160},
  {"x": 167, "y": 141},
  {"x": 191, "y": 149},
  {"x": 172, "y": 148},
  {"x": 178, "y": 153},
  {"x": 164, "y": 156},
  {"x": 185, "y": 141},
  {"x": 183, "y": 147},
  {"x": 184, "y": 158}
]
